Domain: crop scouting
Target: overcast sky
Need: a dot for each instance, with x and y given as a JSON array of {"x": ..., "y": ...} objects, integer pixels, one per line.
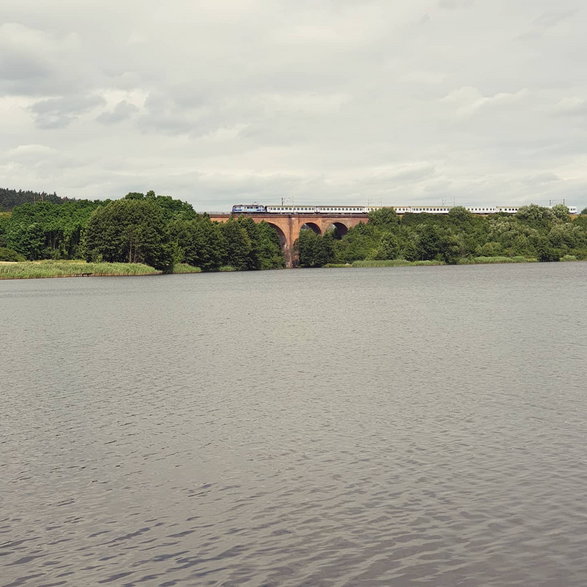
[{"x": 318, "y": 101}]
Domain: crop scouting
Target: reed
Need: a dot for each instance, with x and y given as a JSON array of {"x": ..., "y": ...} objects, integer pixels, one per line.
[
  {"x": 394, "y": 263},
  {"x": 492, "y": 260},
  {"x": 185, "y": 268},
  {"x": 50, "y": 268}
]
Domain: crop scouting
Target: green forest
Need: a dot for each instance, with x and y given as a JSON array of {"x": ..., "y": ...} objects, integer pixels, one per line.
[
  {"x": 163, "y": 233},
  {"x": 12, "y": 198},
  {"x": 150, "y": 229},
  {"x": 534, "y": 233}
]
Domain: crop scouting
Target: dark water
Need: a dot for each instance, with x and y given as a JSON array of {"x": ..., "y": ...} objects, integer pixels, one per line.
[{"x": 313, "y": 427}]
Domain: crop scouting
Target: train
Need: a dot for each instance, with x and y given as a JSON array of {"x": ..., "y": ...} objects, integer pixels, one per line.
[{"x": 346, "y": 210}]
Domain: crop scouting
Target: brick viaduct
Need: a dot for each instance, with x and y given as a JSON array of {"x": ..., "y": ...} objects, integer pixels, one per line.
[{"x": 288, "y": 227}]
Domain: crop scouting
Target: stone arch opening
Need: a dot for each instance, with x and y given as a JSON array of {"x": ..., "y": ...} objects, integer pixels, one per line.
[
  {"x": 280, "y": 234},
  {"x": 311, "y": 226},
  {"x": 338, "y": 229},
  {"x": 284, "y": 245}
]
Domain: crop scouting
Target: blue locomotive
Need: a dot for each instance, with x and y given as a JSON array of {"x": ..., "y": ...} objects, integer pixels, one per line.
[{"x": 248, "y": 208}]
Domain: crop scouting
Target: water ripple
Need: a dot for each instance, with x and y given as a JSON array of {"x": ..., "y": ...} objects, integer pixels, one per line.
[{"x": 376, "y": 427}]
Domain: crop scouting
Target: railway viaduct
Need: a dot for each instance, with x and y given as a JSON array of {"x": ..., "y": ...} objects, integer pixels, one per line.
[{"x": 288, "y": 227}]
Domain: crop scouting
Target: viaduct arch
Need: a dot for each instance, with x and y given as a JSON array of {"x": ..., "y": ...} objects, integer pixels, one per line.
[{"x": 288, "y": 227}]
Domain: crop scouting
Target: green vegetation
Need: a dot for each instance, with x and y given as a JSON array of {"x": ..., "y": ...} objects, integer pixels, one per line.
[
  {"x": 185, "y": 268},
  {"x": 50, "y": 268},
  {"x": 460, "y": 237},
  {"x": 395, "y": 263},
  {"x": 7, "y": 254},
  {"x": 167, "y": 235},
  {"x": 129, "y": 231},
  {"x": 46, "y": 230},
  {"x": 9, "y": 199},
  {"x": 148, "y": 229},
  {"x": 498, "y": 259}
]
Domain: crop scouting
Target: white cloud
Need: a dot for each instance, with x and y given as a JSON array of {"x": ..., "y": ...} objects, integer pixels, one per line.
[{"x": 320, "y": 100}]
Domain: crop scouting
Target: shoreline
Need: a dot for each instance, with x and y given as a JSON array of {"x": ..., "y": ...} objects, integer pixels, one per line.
[
  {"x": 57, "y": 269},
  {"x": 17, "y": 277},
  {"x": 74, "y": 268}
]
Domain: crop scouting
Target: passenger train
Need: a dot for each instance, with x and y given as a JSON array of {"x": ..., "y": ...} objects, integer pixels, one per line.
[{"x": 262, "y": 209}]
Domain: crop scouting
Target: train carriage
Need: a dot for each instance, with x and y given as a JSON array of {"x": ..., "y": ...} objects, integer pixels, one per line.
[{"x": 346, "y": 210}]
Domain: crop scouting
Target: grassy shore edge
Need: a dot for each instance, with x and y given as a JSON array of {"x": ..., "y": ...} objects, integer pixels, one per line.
[
  {"x": 464, "y": 261},
  {"x": 47, "y": 269}
]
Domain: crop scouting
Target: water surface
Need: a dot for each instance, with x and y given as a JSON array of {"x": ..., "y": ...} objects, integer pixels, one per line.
[{"x": 312, "y": 427}]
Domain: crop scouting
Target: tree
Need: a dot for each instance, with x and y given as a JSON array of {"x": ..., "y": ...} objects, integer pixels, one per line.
[
  {"x": 48, "y": 230},
  {"x": 198, "y": 242},
  {"x": 315, "y": 250},
  {"x": 9, "y": 199},
  {"x": 269, "y": 249},
  {"x": 546, "y": 252},
  {"x": 238, "y": 245},
  {"x": 452, "y": 248},
  {"x": 567, "y": 236},
  {"x": 490, "y": 249},
  {"x": 460, "y": 215},
  {"x": 27, "y": 239},
  {"x": 4, "y": 223},
  {"x": 389, "y": 247},
  {"x": 360, "y": 242},
  {"x": 561, "y": 212},
  {"x": 131, "y": 231},
  {"x": 429, "y": 242},
  {"x": 171, "y": 208},
  {"x": 10, "y": 255},
  {"x": 384, "y": 217},
  {"x": 535, "y": 216},
  {"x": 252, "y": 258}
]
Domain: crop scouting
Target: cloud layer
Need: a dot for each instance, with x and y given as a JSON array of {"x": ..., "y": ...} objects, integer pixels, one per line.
[{"x": 317, "y": 101}]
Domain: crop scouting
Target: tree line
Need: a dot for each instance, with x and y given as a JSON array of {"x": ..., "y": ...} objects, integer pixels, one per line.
[
  {"x": 140, "y": 228},
  {"x": 161, "y": 231},
  {"x": 9, "y": 198},
  {"x": 545, "y": 234}
]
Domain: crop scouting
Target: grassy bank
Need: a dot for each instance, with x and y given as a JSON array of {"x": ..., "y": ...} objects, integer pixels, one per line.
[
  {"x": 37, "y": 269},
  {"x": 491, "y": 260},
  {"x": 464, "y": 261},
  {"x": 384, "y": 263},
  {"x": 181, "y": 268}
]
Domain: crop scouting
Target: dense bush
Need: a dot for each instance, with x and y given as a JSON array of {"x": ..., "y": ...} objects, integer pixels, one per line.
[{"x": 7, "y": 254}]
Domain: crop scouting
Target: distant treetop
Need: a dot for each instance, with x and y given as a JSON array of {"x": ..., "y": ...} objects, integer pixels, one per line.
[{"x": 9, "y": 198}]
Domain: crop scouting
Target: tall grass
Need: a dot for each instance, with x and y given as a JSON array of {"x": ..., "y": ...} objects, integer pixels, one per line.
[
  {"x": 50, "y": 268},
  {"x": 185, "y": 268},
  {"x": 394, "y": 263},
  {"x": 464, "y": 261},
  {"x": 491, "y": 260}
]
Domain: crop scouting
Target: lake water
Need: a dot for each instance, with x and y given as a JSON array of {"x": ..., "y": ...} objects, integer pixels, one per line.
[{"x": 309, "y": 427}]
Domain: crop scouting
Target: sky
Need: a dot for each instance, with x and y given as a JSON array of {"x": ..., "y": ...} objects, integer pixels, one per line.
[{"x": 217, "y": 102}]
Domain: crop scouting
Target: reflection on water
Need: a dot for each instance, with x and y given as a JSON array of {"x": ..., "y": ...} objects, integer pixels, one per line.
[{"x": 311, "y": 427}]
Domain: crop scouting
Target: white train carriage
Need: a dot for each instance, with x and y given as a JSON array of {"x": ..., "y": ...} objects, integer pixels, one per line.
[{"x": 346, "y": 210}]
